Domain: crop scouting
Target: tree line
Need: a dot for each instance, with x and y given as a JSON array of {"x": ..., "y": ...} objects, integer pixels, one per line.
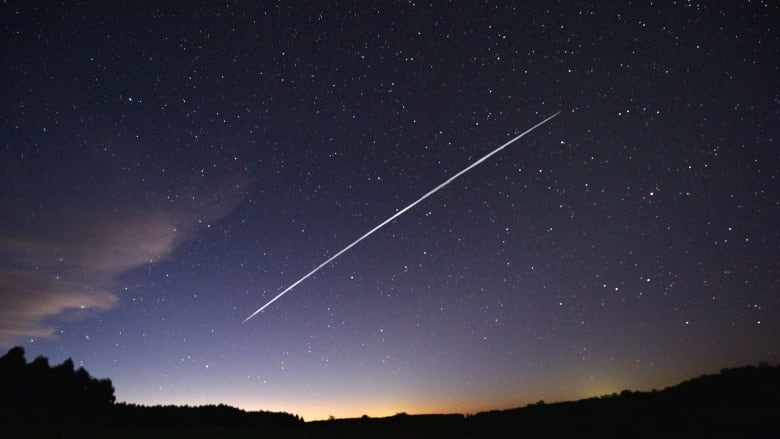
[
  {"x": 37, "y": 393},
  {"x": 738, "y": 402}
]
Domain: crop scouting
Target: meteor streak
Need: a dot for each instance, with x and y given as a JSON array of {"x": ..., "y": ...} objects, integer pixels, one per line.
[{"x": 399, "y": 213}]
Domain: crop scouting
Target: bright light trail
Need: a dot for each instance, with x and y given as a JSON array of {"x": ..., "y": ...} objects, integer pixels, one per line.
[{"x": 399, "y": 213}]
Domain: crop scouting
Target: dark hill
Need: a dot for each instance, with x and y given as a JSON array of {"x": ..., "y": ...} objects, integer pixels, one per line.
[
  {"x": 741, "y": 402},
  {"x": 39, "y": 400}
]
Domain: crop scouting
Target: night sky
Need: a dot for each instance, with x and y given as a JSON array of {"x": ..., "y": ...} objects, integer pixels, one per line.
[{"x": 166, "y": 171}]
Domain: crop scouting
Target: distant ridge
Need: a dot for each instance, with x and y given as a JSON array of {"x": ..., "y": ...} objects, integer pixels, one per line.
[
  {"x": 738, "y": 402},
  {"x": 39, "y": 400}
]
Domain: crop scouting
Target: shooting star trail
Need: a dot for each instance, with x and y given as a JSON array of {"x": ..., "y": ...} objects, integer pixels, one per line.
[{"x": 399, "y": 213}]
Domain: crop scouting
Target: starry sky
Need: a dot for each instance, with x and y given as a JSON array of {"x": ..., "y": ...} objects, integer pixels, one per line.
[{"x": 165, "y": 170}]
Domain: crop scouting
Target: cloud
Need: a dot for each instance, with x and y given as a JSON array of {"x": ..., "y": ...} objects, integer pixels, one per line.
[
  {"x": 68, "y": 259},
  {"x": 28, "y": 296}
]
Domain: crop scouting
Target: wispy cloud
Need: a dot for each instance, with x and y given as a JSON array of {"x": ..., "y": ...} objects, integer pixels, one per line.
[{"x": 68, "y": 259}]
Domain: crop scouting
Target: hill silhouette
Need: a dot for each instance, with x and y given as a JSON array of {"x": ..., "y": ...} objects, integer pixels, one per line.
[
  {"x": 739, "y": 402},
  {"x": 40, "y": 400}
]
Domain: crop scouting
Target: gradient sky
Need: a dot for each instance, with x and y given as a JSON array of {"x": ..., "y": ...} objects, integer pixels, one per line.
[{"x": 166, "y": 171}]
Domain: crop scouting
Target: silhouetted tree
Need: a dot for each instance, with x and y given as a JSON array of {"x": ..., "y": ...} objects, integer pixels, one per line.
[
  {"x": 41, "y": 394},
  {"x": 738, "y": 402}
]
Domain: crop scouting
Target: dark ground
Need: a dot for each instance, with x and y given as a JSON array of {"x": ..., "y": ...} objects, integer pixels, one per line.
[{"x": 741, "y": 402}]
